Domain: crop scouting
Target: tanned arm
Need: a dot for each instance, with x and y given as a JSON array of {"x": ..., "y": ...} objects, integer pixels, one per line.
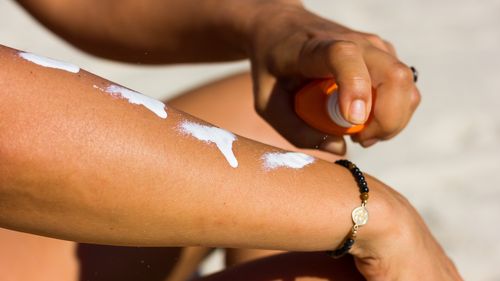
[{"x": 87, "y": 160}]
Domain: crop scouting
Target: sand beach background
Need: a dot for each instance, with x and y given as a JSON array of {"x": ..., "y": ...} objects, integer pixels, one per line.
[{"x": 447, "y": 161}]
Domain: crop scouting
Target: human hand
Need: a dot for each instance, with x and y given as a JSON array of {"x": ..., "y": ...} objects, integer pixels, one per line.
[
  {"x": 396, "y": 244},
  {"x": 291, "y": 46}
]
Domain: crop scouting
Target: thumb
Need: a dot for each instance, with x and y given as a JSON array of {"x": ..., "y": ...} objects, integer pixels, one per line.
[
  {"x": 277, "y": 108},
  {"x": 344, "y": 61}
]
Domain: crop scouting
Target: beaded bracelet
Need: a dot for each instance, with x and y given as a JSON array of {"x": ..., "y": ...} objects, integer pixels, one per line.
[{"x": 359, "y": 214}]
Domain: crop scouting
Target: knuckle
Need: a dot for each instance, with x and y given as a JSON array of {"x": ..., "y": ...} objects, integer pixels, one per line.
[
  {"x": 400, "y": 73},
  {"x": 389, "y": 45},
  {"x": 374, "y": 39},
  {"x": 357, "y": 85},
  {"x": 416, "y": 98},
  {"x": 390, "y": 48},
  {"x": 343, "y": 48}
]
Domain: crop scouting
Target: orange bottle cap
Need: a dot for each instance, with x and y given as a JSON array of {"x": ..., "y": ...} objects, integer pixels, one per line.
[{"x": 315, "y": 105}]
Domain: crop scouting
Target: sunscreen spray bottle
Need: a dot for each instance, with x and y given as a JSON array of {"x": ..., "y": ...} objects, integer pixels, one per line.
[{"x": 318, "y": 105}]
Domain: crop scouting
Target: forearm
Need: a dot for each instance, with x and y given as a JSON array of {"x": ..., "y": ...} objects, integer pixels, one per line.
[
  {"x": 154, "y": 31},
  {"x": 79, "y": 164}
]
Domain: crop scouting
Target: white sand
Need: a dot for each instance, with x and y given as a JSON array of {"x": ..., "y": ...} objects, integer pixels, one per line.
[{"x": 447, "y": 162}]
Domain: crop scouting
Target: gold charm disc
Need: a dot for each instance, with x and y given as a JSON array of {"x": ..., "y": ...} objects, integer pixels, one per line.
[{"x": 360, "y": 215}]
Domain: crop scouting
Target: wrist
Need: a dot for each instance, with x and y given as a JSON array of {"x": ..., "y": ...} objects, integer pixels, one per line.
[
  {"x": 246, "y": 22},
  {"x": 396, "y": 241},
  {"x": 388, "y": 210}
]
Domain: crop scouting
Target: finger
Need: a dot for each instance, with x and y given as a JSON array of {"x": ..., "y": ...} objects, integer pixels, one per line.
[
  {"x": 279, "y": 113},
  {"x": 344, "y": 60},
  {"x": 298, "y": 133},
  {"x": 378, "y": 42},
  {"x": 396, "y": 100},
  {"x": 390, "y": 48},
  {"x": 389, "y": 118}
]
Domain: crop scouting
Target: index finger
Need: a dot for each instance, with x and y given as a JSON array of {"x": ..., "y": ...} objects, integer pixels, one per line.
[{"x": 397, "y": 96}]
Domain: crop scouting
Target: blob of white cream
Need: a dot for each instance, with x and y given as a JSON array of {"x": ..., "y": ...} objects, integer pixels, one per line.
[
  {"x": 294, "y": 160},
  {"x": 156, "y": 106},
  {"x": 222, "y": 138},
  {"x": 48, "y": 62}
]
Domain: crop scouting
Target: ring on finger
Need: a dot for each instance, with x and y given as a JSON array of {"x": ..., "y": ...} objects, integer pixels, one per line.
[{"x": 415, "y": 73}]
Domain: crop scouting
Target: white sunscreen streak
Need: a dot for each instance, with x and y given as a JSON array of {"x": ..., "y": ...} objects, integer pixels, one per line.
[
  {"x": 222, "y": 138},
  {"x": 295, "y": 160},
  {"x": 156, "y": 106},
  {"x": 48, "y": 62}
]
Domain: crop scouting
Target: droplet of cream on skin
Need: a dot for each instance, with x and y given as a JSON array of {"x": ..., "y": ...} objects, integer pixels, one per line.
[
  {"x": 156, "y": 106},
  {"x": 223, "y": 139},
  {"x": 294, "y": 160},
  {"x": 48, "y": 62}
]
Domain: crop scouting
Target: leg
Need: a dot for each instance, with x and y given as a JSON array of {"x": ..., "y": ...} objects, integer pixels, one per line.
[
  {"x": 26, "y": 256},
  {"x": 228, "y": 103},
  {"x": 290, "y": 267}
]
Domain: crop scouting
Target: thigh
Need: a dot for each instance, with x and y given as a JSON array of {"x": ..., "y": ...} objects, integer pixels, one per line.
[
  {"x": 228, "y": 103},
  {"x": 292, "y": 267},
  {"x": 110, "y": 263},
  {"x": 31, "y": 257}
]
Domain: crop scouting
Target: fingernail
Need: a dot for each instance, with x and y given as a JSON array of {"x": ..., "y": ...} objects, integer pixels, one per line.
[
  {"x": 368, "y": 143},
  {"x": 357, "y": 112}
]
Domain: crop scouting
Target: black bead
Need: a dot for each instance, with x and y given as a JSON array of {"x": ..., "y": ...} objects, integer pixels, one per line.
[
  {"x": 342, "y": 250},
  {"x": 342, "y": 162}
]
